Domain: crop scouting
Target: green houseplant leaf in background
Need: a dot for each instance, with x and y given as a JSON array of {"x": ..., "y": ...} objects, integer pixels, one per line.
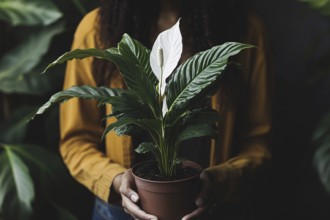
[
  {"x": 22, "y": 166},
  {"x": 16, "y": 66},
  {"x": 13, "y": 131},
  {"x": 17, "y": 191},
  {"x": 321, "y": 135},
  {"x": 32, "y": 176},
  {"x": 16, "y": 183},
  {"x": 322, "y": 5},
  {"x": 321, "y": 160},
  {"x": 17, "y": 187},
  {"x": 29, "y": 12}
]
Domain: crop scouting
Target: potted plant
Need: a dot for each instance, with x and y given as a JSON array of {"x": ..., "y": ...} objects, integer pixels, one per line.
[{"x": 165, "y": 100}]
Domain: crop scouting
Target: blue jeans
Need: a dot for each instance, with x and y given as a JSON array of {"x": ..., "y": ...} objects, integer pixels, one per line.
[{"x": 105, "y": 211}]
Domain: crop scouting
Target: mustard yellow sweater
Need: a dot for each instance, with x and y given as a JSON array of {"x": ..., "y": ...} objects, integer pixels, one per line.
[{"x": 236, "y": 153}]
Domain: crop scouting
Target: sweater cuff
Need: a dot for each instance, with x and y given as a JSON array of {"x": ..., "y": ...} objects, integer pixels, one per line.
[
  {"x": 103, "y": 185},
  {"x": 232, "y": 179}
]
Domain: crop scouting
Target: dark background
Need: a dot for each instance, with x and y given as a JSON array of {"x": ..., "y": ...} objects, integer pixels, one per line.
[
  {"x": 299, "y": 38},
  {"x": 300, "y": 44}
]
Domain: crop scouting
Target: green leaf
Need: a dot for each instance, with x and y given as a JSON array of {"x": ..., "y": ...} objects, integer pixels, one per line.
[
  {"x": 197, "y": 130},
  {"x": 197, "y": 75},
  {"x": 121, "y": 126},
  {"x": 206, "y": 116},
  {"x": 18, "y": 62},
  {"x": 131, "y": 58},
  {"x": 16, "y": 191},
  {"x": 321, "y": 162},
  {"x": 51, "y": 176},
  {"x": 32, "y": 82},
  {"x": 191, "y": 124},
  {"x": 85, "y": 92},
  {"x": 29, "y": 84},
  {"x": 128, "y": 105},
  {"x": 142, "y": 55},
  {"x": 199, "y": 72},
  {"x": 48, "y": 170},
  {"x": 322, "y": 5},
  {"x": 37, "y": 156},
  {"x": 29, "y": 13},
  {"x": 80, "y": 54},
  {"x": 321, "y": 159},
  {"x": 145, "y": 147},
  {"x": 13, "y": 130}
]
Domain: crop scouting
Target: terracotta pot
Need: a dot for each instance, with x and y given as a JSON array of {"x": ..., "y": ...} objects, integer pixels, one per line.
[{"x": 168, "y": 200}]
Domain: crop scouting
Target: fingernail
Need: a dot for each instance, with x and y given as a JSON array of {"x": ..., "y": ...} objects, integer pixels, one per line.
[
  {"x": 134, "y": 198},
  {"x": 199, "y": 201},
  {"x": 153, "y": 219}
]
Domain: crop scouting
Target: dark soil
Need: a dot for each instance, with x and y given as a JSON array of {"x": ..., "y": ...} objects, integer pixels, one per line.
[{"x": 150, "y": 171}]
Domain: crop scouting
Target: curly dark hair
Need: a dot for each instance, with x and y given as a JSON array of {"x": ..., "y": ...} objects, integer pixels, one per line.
[{"x": 204, "y": 23}]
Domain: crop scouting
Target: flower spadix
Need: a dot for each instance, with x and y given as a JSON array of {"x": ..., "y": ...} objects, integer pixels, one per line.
[{"x": 165, "y": 55}]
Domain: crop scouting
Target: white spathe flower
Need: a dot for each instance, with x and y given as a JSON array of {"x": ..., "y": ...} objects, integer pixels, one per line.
[{"x": 170, "y": 42}]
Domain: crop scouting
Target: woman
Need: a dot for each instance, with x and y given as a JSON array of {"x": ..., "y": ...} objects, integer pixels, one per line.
[{"x": 243, "y": 102}]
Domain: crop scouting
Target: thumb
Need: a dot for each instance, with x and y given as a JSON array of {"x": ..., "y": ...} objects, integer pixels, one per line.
[
  {"x": 204, "y": 194},
  {"x": 126, "y": 187}
]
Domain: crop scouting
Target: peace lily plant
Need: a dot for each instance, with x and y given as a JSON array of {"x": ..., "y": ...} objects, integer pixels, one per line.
[{"x": 164, "y": 99}]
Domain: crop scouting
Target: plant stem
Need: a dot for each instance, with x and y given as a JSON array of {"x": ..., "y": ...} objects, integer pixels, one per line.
[
  {"x": 166, "y": 161},
  {"x": 162, "y": 162}
]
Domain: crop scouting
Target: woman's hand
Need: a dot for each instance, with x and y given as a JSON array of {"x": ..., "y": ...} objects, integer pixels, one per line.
[
  {"x": 204, "y": 198},
  {"x": 123, "y": 184}
]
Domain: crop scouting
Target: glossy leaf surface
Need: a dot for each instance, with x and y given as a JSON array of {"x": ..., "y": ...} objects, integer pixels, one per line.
[
  {"x": 16, "y": 64},
  {"x": 145, "y": 147},
  {"x": 29, "y": 13},
  {"x": 321, "y": 160},
  {"x": 84, "y": 92},
  {"x": 197, "y": 74},
  {"x": 16, "y": 191}
]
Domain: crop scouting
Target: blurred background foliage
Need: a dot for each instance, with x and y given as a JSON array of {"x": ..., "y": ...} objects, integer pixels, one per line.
[
  {"x": 299, "y": 33},
  {"x": 35, "y": 184},
  {"x": 321, "y": 136},
  {"x": 322, "y": 5}
]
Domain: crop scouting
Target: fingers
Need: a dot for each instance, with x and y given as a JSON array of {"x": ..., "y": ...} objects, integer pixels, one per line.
[
  {"x": 204, "y": 194},
  {"x": 134, "y": 210},
  {"x": 203, "y": 198},
  {"x": 130, "y": 198},
  {"x": 126, "y": 187},
  {"x": 195, "y": 213}
]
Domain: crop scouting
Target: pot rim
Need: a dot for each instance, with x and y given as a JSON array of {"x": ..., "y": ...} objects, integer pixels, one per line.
[{"x": 196, "y": 165}]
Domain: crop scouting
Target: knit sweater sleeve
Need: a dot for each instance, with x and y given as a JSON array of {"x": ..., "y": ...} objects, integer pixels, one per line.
[{"x": 81, "y": 122}]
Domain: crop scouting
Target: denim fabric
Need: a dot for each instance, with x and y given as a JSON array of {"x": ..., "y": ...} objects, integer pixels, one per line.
[{"x": 105, "y": 211}]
